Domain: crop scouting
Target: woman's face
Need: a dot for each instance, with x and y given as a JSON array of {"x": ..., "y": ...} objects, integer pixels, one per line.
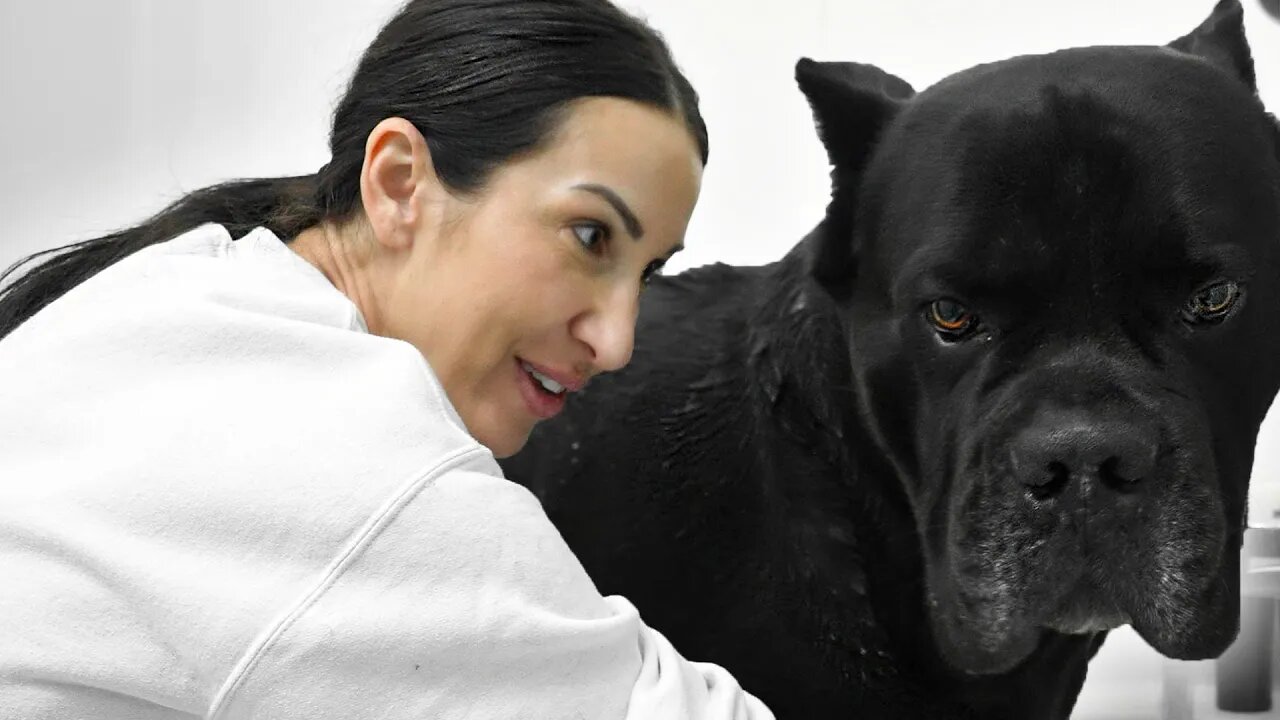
[{"x": 530, "y": 286}]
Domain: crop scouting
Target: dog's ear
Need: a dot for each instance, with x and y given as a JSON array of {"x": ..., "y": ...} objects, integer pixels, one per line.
[
  {"x": 852, "y": 103},
  {"x": 1220, "y": 39}
]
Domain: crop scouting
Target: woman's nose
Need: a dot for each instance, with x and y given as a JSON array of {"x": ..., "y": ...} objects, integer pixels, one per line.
[{"x": 609, "y": 328}]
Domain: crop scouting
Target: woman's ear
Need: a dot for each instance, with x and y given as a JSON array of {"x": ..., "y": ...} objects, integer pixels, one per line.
[{"x": 397, "y": 182}]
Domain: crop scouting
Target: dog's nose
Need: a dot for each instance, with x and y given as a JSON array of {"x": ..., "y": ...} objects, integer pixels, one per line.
[{"x": 1058, "y": 449}]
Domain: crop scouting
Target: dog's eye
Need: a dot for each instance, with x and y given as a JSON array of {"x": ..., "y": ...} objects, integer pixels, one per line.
[
  {"x": 1212, "y": 303},
  {"x": 951, "y": 318}
]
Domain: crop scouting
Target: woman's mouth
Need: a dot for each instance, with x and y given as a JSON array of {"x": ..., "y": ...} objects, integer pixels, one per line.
[
  {"x": 544, "y": 396},
  {"x": 547, "y": 383}
]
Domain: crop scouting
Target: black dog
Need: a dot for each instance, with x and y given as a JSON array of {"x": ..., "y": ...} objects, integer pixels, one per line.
[{"x": 1002, "y": 399}]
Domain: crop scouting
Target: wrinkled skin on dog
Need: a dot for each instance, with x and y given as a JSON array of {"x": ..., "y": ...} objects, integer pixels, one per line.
[{"x": 1002, "y": 399}]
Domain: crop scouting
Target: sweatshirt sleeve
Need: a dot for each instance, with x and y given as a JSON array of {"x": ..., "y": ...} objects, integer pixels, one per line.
[{"x": 459, "y": 599}]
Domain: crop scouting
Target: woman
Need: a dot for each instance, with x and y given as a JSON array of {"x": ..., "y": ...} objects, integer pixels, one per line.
[{"x": 231, "y": 487}]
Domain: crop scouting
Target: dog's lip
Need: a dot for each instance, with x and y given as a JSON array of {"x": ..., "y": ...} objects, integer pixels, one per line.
[
  {"x": 1089, "y": 626},
  {"x": 572, "y": 382},
  {"x": 1086, "y": 612}
]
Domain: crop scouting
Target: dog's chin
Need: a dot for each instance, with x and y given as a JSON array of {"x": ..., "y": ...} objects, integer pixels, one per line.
[
  {"x": 985, "y": 651},
  {"x": 1086, "y": 611},
  {"x": 1087, "y": 625},
  {"x": 998, "y": 642},
  {"x": 982, "y": 652}
]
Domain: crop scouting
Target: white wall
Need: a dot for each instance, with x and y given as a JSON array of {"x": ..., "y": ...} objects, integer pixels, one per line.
[{"x": 110, "y": 110}]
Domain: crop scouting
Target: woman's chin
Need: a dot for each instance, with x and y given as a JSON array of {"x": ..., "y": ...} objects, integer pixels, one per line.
[{"x": 504, "y": 442}]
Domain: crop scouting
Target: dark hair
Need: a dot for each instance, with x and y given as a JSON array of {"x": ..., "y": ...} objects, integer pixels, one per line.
[{"x": 484, "y": 81}]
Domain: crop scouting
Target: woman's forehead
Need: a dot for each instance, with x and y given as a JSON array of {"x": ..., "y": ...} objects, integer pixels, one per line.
[{"x": 642, "y": 154}]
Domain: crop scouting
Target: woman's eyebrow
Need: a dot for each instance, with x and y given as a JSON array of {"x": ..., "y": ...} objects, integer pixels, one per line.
[{"x": 628, "y": 217}]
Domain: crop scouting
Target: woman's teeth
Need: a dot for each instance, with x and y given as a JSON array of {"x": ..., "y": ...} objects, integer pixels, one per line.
[{"x": 547, "y": 383}]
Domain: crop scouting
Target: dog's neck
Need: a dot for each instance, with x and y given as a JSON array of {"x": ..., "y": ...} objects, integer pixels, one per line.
[
  {"x": 845, "y": 518},
  {"x": 797, "y": 357}
]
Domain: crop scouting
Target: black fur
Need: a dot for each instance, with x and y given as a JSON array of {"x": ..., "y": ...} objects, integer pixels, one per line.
[{"x": 799, "y": 478}]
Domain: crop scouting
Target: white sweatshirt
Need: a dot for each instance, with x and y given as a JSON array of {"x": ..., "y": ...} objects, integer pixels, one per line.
[{"x": 221, "y": 497}]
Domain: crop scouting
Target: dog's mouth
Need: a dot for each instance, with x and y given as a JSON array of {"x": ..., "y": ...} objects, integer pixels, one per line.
[
  {"x": 1086, "y": 610},
  {"x": 1010, "y": 572},
  {"x": 985, "y": 633}
]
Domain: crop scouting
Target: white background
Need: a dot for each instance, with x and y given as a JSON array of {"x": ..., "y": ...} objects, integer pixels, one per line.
[{"x": 113, "y": 109}]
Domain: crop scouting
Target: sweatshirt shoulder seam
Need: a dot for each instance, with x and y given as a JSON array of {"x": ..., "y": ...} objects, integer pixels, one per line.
[{"x": 348, "y": 554}]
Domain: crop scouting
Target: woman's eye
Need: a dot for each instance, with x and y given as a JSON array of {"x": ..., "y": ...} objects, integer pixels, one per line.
[
  {"x": 652, "y": 269},
  {"x": 951, "y": 319},
  {"x": 1212, "y": 303},
  {"x": 591, "y": 235}
]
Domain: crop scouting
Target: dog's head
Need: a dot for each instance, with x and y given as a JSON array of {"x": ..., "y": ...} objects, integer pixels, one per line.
[{"x": 1061, "y": 278}]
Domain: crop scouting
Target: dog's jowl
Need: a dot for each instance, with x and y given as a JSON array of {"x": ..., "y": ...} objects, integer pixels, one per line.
[{"x": 1002, "y": 399}]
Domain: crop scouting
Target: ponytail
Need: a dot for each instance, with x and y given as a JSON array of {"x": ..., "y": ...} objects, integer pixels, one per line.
[{"x": 286, "y": 206}]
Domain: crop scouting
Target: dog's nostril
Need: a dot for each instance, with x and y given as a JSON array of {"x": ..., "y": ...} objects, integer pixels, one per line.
[
  {"x": 1050, "y": 482},
  {"x": 1115, "y": 476}
]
